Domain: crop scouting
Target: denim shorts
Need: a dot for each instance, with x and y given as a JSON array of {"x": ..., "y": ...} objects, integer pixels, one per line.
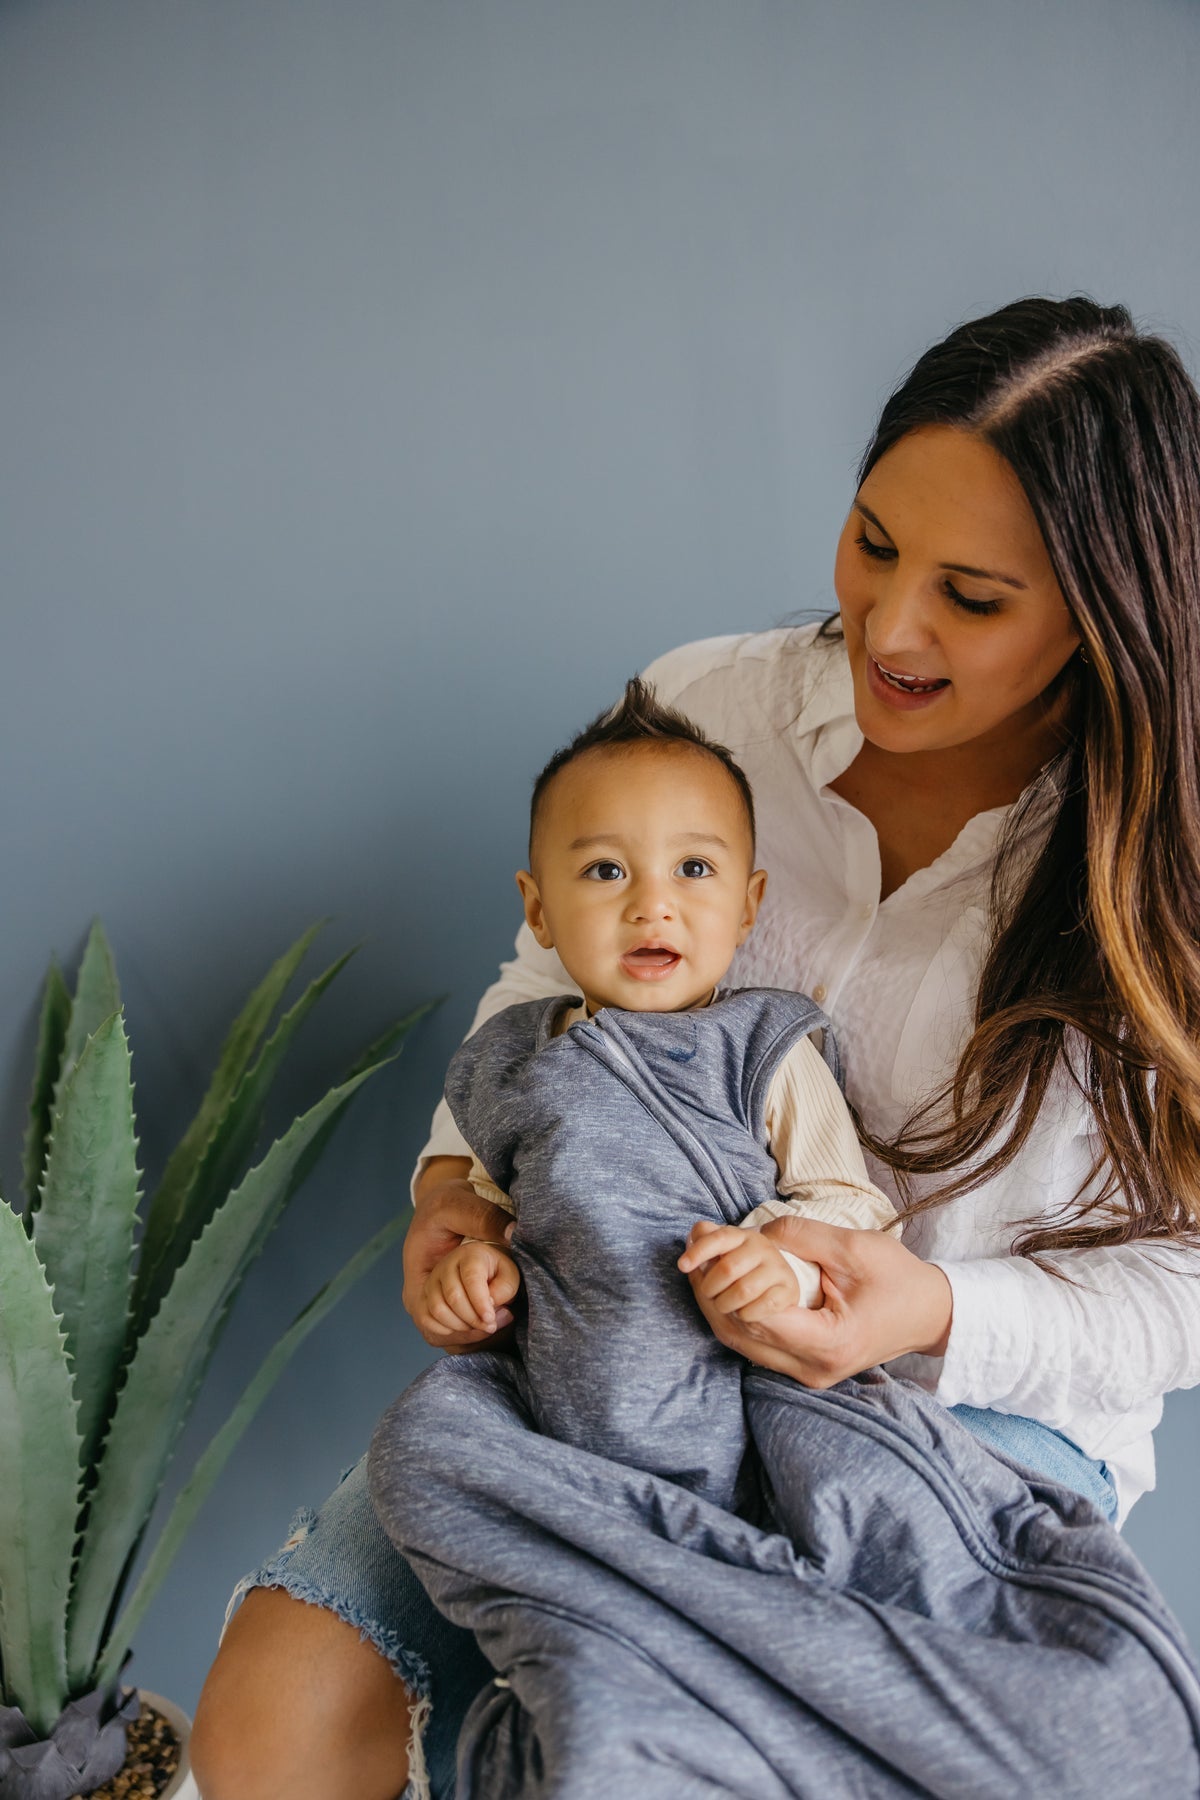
[
  {"x": 340, "y": 1558},
  {"x": 1046, "y": 1451}
]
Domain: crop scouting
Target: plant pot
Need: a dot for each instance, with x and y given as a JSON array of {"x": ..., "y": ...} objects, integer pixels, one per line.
[{"x": 181, "y": 1785}]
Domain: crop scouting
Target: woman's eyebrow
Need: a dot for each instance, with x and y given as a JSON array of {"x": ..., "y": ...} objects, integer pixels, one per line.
[
  {"x": 984, "y": 574},
  {"x": 874, "y": 518},
  {"x": 1012, "y": 581}
]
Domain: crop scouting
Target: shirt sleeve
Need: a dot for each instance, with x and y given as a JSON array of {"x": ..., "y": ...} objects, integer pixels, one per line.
[
  {"x": 1096, "y": 1334},
  {"x": 822, "y": 1174}
]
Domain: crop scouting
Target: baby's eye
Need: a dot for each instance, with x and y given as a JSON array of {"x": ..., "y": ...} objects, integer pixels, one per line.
[
  {"x": 604, "y": 871},
  {"x": 692, "y": 868}
]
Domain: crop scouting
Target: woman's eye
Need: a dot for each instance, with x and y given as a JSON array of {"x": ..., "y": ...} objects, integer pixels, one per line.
[
  {"x": 868, "y": 546},
  {"x": 604, "y": 871},
  {"x": 693, "y": 867},
  {"x": 978, "y": 607}
]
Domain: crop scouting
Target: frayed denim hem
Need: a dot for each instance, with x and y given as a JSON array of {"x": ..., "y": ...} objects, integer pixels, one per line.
[{"x": 406, "y": 1665}]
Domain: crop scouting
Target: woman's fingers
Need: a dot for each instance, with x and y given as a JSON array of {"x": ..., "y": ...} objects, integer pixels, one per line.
[
  {"x": 744, "y": 1293},
  {"x": 831, "y": 1246},
  {"x": 780, "y": 1290}
]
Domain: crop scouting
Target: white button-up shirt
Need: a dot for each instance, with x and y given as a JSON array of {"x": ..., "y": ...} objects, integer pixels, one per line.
[{"x": 1091, "y": 1356}]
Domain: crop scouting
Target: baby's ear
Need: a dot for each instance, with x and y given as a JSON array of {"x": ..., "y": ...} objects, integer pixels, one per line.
[
  {"x": 756, "y": 887},
  {"x": 535, "y": 915}
]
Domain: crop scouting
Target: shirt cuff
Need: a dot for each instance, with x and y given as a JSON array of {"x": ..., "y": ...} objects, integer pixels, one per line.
[
  {"x": 808, "y": 1275},
  {"x": 988, "y": 1351}
]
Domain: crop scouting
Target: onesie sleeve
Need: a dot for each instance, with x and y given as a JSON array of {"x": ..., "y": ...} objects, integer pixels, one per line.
[
  {"x": 486, "y": 1188},
  {"x": 822, "y": 1174},
  {"x": 812, "y": 1138}
]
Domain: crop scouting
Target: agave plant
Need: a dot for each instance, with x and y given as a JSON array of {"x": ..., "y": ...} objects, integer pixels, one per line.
[{"x": 103, "y": 1347}]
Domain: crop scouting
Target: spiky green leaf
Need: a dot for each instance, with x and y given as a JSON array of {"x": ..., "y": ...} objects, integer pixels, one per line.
[
  {"x": 97, "y": 997},
  {"x": 192, "y": 1497},
  {"x": 85, "y": 1226},
  {"x": 161, "y": 1239},
  {"x": 167, "y": 1366},
  {"x": 52, "y": 1036},
  {"x": 384, "y": 1050},
  {"x": 391, "y": 1042},
  {"x": 39, "y": 1481},
  {"x": 229, "y": 1147}
]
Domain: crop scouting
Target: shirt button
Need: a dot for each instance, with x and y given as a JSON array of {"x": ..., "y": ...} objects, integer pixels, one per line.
[
  {"x": 866, "y": 912},
  {"x": 819, "y": 993}
]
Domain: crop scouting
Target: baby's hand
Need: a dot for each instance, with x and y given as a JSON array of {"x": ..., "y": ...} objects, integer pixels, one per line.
[
  {"x": 745, "y": 1274},
  {"x": 468, "y": 1290}
]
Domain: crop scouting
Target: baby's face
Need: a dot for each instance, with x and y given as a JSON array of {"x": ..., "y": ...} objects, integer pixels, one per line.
[{"x": 643, "y": 878}]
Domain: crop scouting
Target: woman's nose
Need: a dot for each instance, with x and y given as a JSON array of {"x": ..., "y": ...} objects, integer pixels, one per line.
[{"x": 899, "y": 619}]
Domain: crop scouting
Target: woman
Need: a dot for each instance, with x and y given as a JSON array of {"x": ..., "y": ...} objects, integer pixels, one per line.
[{"x": 982, "y": 821}]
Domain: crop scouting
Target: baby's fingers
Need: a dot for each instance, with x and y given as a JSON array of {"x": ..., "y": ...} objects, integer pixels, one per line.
[
  {"x": 739, "y": 1290},
  {"x": 449, "y": 1303},
  {"x": 448, "y": 1336},
  {"x": 475, "y": 1292},
  {"x": 505, "y": 1283},
  {"x": 707, "y": 1242}
]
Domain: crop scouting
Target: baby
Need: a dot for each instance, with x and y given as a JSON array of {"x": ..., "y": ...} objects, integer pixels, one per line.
[{"x": 654, "y": 1101}]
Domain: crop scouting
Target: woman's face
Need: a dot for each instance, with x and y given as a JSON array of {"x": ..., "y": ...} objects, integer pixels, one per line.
[{"x": 954, "y": 622}]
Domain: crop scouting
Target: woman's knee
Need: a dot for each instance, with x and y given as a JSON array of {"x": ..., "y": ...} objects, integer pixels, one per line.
[{"x": 298, "y": 1707}]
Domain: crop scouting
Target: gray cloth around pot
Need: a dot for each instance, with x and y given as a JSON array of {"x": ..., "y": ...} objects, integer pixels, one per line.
[{"x": 84, "y": 1750}]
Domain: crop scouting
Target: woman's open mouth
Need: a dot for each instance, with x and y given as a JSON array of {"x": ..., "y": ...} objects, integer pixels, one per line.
[
  {"x": 899, "y": 690},
  {"x": 650, "y": 962}
]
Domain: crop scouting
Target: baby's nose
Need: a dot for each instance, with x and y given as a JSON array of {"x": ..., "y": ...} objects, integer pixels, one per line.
[{"x": 649, "y": 899}]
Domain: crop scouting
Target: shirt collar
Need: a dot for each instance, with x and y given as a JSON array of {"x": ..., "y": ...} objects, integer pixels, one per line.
[{"x": 827, "y": 735}]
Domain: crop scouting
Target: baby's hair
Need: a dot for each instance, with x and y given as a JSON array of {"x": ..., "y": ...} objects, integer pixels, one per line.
[{"x": 638, "y": 717}]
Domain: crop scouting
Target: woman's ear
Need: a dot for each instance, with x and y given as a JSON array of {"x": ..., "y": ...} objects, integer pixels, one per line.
[
  {"x": 756, "y": 887},
  {"x": 535, "y": 915}
]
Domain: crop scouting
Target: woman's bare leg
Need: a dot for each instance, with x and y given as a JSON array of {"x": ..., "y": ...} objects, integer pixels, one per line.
[{"x": 298, "y": 1707}]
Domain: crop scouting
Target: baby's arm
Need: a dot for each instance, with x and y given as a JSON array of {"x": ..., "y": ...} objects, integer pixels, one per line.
[
  {"x": 822, "y": 1176},
  {"x": 811, "y": 1135},
  {"x": 469, "y": 1290}
]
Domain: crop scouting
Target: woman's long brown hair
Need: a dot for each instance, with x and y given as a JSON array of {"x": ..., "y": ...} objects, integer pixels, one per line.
[{"x": 1093, "y": 967}]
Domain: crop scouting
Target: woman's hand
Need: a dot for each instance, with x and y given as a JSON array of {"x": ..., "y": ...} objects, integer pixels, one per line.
[
  {"x": 447, "y": 1210},
  {"x": 878, "y": 1301}
]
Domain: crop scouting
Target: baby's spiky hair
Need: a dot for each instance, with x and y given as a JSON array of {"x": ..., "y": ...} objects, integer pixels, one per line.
[{"x": 638, "y": 717}]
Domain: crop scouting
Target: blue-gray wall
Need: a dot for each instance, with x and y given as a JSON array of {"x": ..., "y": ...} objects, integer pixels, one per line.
[{"x": 381, "y": 381}]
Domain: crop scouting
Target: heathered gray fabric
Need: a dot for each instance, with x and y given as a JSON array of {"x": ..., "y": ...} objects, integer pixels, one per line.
[
  {"x": 674, "y": 1105},
  {"x": 920, "y": 1620},
  {"x": 869, "y": 1603}
]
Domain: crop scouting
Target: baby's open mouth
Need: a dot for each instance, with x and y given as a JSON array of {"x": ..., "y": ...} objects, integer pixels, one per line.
[{"x": 650, "y": 961}]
